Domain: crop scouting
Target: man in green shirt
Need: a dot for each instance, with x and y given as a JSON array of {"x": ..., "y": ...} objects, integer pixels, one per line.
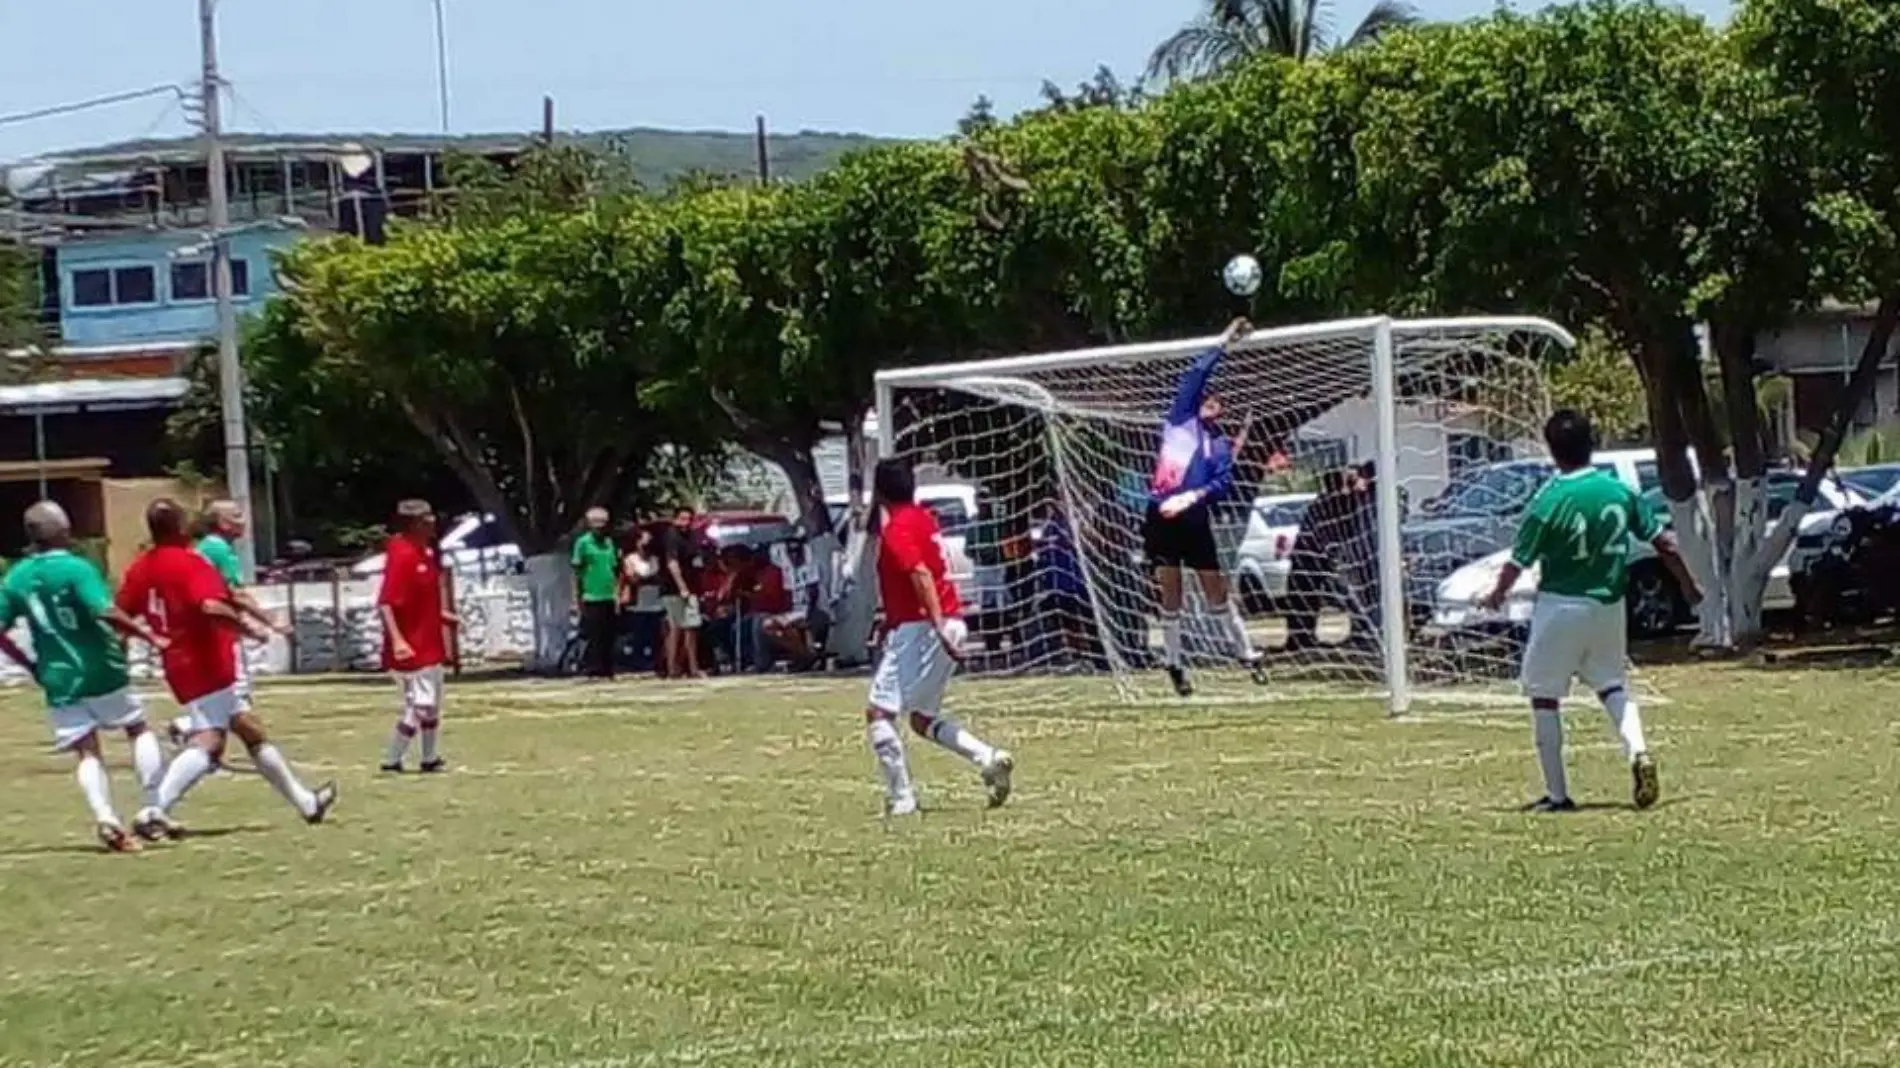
[
  {"x": 596, "y": 561},
  {"x": 79, "y": 662},
  {"x": 1578, "y": 532}
]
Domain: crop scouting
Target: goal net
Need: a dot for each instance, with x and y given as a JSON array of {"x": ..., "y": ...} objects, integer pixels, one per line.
[{"x": 1382, "y": 470}]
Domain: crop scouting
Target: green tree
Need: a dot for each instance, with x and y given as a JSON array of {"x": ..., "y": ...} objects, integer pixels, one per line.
[
  {"x": 1226, "y": 32},
  {"x": 1599, "y": 379}
]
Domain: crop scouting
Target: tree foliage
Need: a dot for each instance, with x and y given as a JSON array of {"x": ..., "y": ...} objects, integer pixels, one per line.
[{"x": 1618, "y": 164}]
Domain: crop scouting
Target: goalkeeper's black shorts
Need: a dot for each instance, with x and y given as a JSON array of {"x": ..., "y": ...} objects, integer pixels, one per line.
[{"x": 1186, "y": 540}]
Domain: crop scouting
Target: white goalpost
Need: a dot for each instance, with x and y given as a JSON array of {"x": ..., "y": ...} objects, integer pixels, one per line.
[{"x": 1340, "y": 576}]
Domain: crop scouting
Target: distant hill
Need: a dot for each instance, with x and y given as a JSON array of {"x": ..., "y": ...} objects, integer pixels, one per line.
[{"x": 658, "y": 155}]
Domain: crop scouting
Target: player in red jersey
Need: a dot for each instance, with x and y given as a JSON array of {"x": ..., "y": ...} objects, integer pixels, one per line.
[
  {"x": 180, "y": 594},
  {"x": 923, "y": 641},
  {"x": 414, "y": 623}
]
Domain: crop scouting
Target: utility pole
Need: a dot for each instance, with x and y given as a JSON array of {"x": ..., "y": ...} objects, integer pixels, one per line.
[
  {"x": 442, "y": 62},
  {"x": 237, "y": 453},
  {"x": 765, "y": 159}
]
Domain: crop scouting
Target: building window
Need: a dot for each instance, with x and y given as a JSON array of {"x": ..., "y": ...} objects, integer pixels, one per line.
[
  {"x": 105, "y": 287},
  {"x": 192, "y": 281},
  {"x": 134, "y": 285},
  {"x": 92, "y": 289}
]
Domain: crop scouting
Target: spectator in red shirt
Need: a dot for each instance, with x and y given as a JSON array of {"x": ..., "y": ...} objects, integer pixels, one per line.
[
  {"x": 180, "y": 594},
  {"x": 415, "y": 628},
  {"x": 923, "y": 641}
]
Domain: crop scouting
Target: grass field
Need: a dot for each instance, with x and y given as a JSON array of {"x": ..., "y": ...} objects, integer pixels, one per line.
[{"x": 646, "y": 874}]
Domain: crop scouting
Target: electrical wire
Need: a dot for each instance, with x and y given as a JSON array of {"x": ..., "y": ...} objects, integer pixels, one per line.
[{"x": 96, "y": 102}]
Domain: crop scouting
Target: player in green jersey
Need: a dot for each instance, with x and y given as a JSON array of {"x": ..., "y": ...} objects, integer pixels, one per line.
[
  {"x": 79, "y": 662},
  {"x": 1578, "y": 532}
]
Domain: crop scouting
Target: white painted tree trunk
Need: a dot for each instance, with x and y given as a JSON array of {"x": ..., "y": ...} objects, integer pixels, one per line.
[
  {"x": 1748, "y": 578},
  {"x": 1693, "y": 533},
  {"x": 552, "y": 581}
]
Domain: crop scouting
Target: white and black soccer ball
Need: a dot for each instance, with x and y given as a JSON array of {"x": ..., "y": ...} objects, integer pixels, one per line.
[{"x": 1242, "y": 275}]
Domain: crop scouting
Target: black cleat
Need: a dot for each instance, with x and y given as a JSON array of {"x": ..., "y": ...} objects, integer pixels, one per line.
[
  {"x": 1647, "y": 787},
  {"x": 326, "y": 800},
  {"x": 432, "y": 767},
  {"x": 1257, "y": 668},
  {"x": 1182, "y": 687},
  {"x": 391, "y": 769},
  {"x": 1545, "y": 804}
]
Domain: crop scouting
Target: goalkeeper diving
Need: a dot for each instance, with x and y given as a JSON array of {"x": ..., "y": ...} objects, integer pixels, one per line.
[{"x": 1194, "y": 470}]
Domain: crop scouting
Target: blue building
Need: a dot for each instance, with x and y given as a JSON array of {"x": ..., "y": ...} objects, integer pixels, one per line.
[{"x": 123, "y": 290}]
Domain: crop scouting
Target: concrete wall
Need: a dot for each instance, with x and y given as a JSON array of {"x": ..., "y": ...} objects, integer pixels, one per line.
[
  {"x": 124, "y": 501},
  {"x": 168, "y": 318}
]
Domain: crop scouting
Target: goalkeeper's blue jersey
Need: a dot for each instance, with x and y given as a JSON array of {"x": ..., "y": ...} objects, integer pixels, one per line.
[{"x": 1191, "y": 455}]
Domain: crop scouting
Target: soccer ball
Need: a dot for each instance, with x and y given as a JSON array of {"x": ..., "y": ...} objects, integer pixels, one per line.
[{"x": 1242, "y": 275}]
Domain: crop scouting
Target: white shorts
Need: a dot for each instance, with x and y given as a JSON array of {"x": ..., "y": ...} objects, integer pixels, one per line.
[
  {"x": 421, "y": 689},
  {"x": 913, "y": 672},
  {"x": 112, "y": 711},
  {"x": 214, "y": 711},
  {"x": 1575, "y": 637}
]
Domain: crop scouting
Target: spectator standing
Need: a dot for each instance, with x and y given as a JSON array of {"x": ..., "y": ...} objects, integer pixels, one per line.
[
  {"x": 596, "y": 563},
  {"x": 679, "y": 584}
]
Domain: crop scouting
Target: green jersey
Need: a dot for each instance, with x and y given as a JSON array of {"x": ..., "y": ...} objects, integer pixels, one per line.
[
  {"x": 63, "y": 599},
  {"x": 224, "y": 557},
  {"x": 1579, "y": 529},
  {"x": 597, "y": 562}
]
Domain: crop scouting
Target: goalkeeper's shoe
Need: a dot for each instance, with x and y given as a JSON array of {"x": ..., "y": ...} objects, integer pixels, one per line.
[
  {"x": 1178, "y": 676},
  {"x": 1257, "y": 668},
  {"x": 996, "y": 775},
  {"x": 1546, "y": 804},
  {"x": 1647, "y": 787},
  {"x": 904, "y": 804}
]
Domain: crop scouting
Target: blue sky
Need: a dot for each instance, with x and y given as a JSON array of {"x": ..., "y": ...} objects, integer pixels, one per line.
[{"x": 903, "y": 69}]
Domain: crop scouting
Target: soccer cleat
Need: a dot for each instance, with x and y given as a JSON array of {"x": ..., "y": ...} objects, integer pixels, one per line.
[
  {"x": 114, "y": 838},
  {"x": 1647, "y": 787},
  {"x": 1257, "y": 668},
  {"x": 391, "y": 769},
  {"x": 431, "y": 767},
  {"x": 1545, "y": 804},
  {"x": 902, "y": 805},
  {"x": 1182, "y": 687},
  {"x": 326, "y": 799},
  {"x": 996, "y": 776},
  {"x": 154, "y": 825}
]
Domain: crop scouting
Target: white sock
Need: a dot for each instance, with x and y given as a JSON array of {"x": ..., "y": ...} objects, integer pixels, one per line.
[
  {"x": 950, "y": 734},
  {"x": 149, "y": 759},
  {"x": 97, "y": 788},
  {"x": 272, "y": 765},
  {"x": 1550, "y": 751},
  {"x": 186, "y": 769},
  {"x": 399, "y": 741},
  {"x": 1626, "y": 720},
  {"x": 430, "y": 726},
  {"x": 1236, "y": 626},
  {"x": 888, "y": 746},
  {"x": 1171, "y": 638}
]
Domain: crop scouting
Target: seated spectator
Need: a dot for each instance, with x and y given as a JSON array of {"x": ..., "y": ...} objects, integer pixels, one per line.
[
  {"x": 798, "y": 634},
  {"x": 749, "y": 590}
]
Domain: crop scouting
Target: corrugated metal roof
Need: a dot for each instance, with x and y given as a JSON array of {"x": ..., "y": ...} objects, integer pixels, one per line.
[{"x": 97, "y": 394}]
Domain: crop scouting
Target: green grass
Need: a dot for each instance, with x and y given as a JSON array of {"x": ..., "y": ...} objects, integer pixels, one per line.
[{"x": 656, "y": 875}]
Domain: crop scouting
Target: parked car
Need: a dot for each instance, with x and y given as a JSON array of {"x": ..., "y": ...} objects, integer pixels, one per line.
[
  {"x": 1872, "y": 481},
  {"x": 1655, "y": 605},
  {"x": 1477, "y": 516},
  {"x": 1846, "y": 566},
  {"x": 1265, "y": 557},
  {"x": 473, "y": 545}
]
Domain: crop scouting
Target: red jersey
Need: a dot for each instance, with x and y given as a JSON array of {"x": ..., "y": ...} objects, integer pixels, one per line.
[
  {"x": 911, "y": 539},
  {"x": 169, "y": 585},
  {"x": 412, "y": 590}
]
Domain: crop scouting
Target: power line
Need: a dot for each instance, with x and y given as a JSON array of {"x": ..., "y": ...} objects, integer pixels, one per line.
[{"x": 97, "y": 102}]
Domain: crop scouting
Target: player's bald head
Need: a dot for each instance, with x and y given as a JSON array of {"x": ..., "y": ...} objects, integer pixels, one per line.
[
  {"x": 223, "y": 514},
  {"x": 47, "y": 525},
  {"x": 166, "y": 521}
]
